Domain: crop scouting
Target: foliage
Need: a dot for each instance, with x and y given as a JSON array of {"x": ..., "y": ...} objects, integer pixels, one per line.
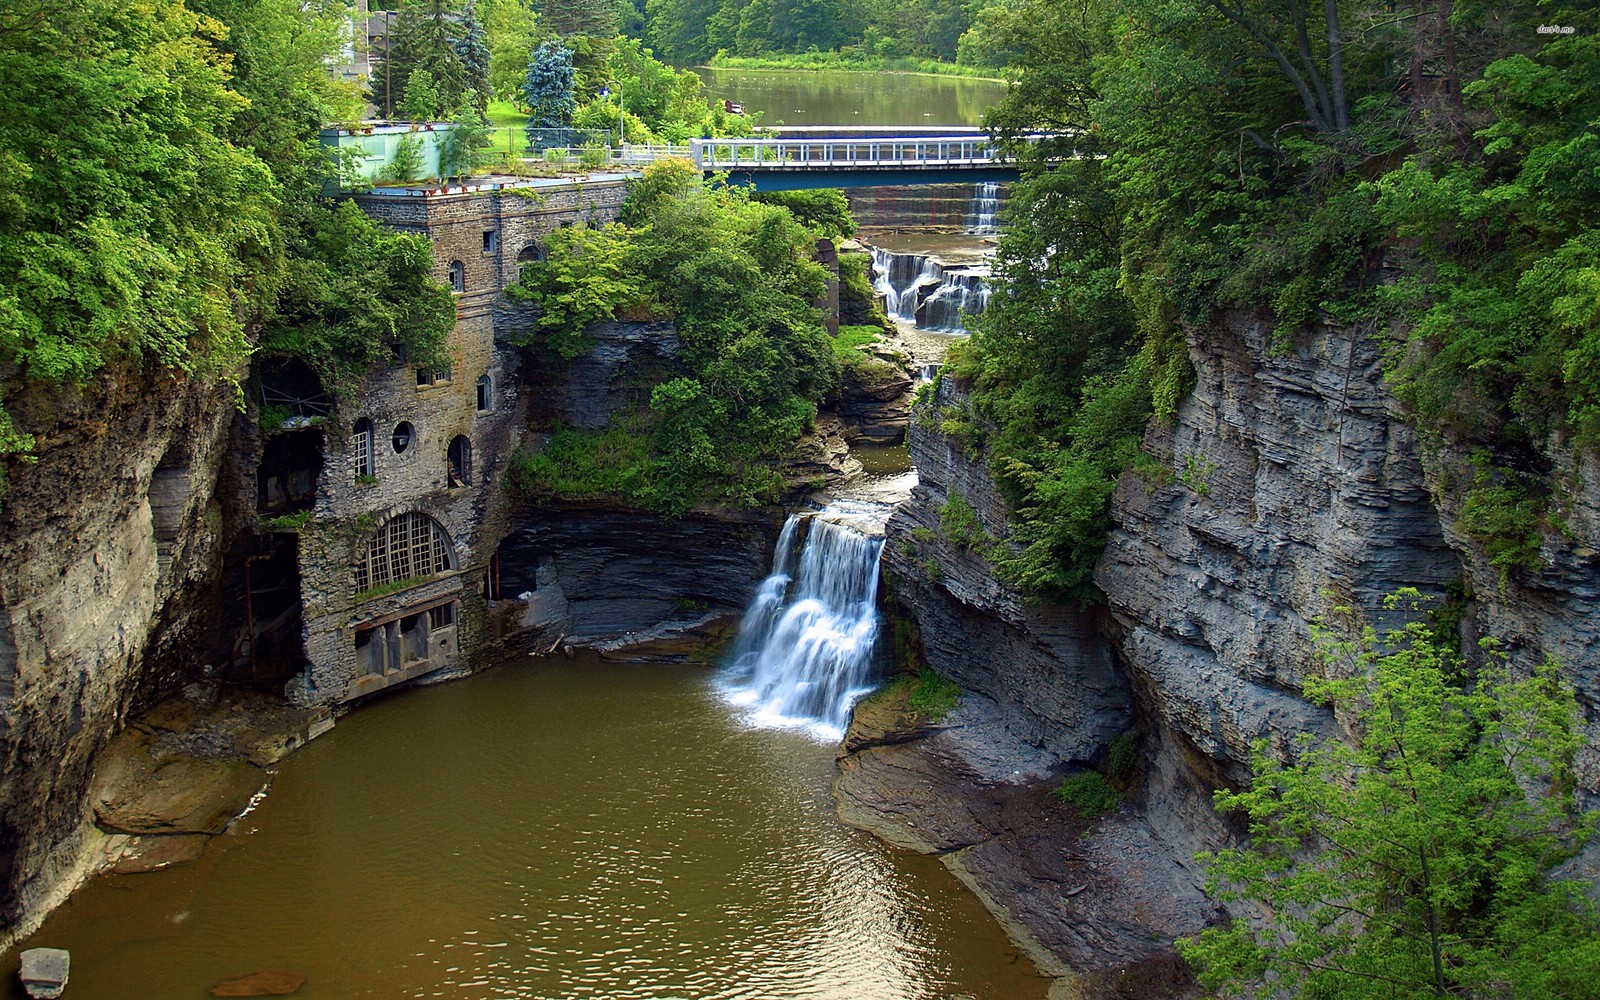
[
  {"x": 858, "y": 300},
  {"x": 430, "y": 36},
  {"x": 465, "y": 144},
  {"x": 933, "y": 695},
  {"x": 958, "y": 521},
  {"x": 1412, "y": 860},
  {"x": 819, "y": 33},
  {"x": 1089, "y": 793},
  {"x": 132, "y": 232},
  {"x": 422, "y": 101},
  {"x": 737, "y": 278},
  {"x": 547, "y": 88},
  {"x": 826, "y": 210},
  {"x": 352, "y": 288},
  {"x": 472, "y": 48}
]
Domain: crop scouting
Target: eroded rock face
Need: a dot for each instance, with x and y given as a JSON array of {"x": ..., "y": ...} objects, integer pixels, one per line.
[
  {"x": 1046, "y": 667},
  {"x": 609, "y": 376},
  {"x": 110, "y": 549},
  {"x": 603, "y": 577},
  {"x": 1296, "y": 486}
]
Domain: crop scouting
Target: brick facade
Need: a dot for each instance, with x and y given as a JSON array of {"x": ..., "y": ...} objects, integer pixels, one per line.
[{"x": 477, "y": 238}]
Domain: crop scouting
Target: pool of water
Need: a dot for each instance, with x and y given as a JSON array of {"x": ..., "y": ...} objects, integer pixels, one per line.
[
  {"x": 552, "y": 829},
  {"x": 839, "y": 97}
]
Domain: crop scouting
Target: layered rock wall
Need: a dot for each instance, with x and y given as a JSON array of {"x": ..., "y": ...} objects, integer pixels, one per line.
[{"x": 111, "y": 550}]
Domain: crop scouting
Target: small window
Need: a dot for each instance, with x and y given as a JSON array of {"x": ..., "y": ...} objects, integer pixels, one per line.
[
  {"x": 434, "y": 376},
  {"x": 361, "y": 436},
  {"x": 402, "y": 436},
  {"x": 485, "y": 394},
  {"x": 458, "y": 276},
  {"x": 397, "y": 351},
  {"x": 443, "y": 616},
  {"x": 491, "y": 241},
  {"x": 460, "y": 457}
]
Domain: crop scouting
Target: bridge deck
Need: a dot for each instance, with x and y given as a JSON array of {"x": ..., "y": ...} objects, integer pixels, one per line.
[{"x": 949, "y": 152}]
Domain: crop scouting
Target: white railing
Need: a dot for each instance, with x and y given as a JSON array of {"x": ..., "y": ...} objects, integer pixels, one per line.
[{"x": 801, "y": 154}]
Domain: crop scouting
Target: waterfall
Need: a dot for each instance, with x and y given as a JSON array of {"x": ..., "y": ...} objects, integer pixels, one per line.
[
  {"x": 805, "y": 648},
  {"x": 924, "y": 292},
  {"x": 985, "y": 206}
]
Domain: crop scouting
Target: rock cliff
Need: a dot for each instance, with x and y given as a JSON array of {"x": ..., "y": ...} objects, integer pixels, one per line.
[
  {"x": 111, "y": 548},
  {"x": 1293, "y": 484}
]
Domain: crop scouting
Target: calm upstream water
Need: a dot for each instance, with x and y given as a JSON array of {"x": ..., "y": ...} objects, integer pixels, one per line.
[
  {"x": 554, "y": 829},
  {"x": 834, "y": 97}
]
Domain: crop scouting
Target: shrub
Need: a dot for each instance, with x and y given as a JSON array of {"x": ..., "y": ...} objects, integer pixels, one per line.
[{"x": 1089, "y": 793}]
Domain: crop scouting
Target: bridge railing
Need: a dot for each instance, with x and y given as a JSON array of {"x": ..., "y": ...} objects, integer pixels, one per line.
[{"x": 800, "y": 154}]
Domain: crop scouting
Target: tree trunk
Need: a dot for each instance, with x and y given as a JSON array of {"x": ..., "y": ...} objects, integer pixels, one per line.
[{"x": 1339, "y": 112}]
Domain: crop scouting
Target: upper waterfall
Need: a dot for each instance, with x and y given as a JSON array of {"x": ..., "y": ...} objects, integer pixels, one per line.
[{"x": 805, "y": 648}]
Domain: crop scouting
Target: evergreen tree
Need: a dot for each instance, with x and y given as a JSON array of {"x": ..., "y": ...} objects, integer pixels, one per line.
[
  {"x": 426, "y": 35},
  {"x": 580, "y": 18},
  {"x": 472, "y": 48},
  {"x": 547, "y": 89}
]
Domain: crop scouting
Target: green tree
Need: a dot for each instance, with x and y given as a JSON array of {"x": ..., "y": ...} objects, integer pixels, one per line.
[
  {"x": 464, "y": 144},
  {"x": 513, "y": 33},
  {"x": 422, "y": 101},
  {"x": 472, "y": 48},
  {"x": 1414, "y": 859},
  {"x": 427, "y": 35},
  {"x": 547, "y": 89}
]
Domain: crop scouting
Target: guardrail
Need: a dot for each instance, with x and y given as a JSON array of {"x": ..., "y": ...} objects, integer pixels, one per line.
[{"x": 802, "y": 154}]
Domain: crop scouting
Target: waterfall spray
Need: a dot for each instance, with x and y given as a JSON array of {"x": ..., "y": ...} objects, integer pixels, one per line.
[{"x": 805, "y": 649}]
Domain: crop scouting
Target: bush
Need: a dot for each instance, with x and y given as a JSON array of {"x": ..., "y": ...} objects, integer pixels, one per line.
[
  {"x": 934, "y": 696},
  {"x": 1089, "y": 793}
]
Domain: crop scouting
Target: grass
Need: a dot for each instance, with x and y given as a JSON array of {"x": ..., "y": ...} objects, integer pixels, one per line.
[
  {"x": 287, "y": 522},
  {"x": 933, "y": 695},
  {"x": 1089, "y": 793}
]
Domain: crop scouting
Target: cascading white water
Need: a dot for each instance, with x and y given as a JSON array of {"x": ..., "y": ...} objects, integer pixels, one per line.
[
  {"x": 804, "y": 653},
  {"x": 985, "y": 208},
  {"x": 924, "y": 292}
]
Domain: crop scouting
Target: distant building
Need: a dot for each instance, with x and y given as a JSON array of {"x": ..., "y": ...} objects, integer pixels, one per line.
[{"x": 366, "y": 41}]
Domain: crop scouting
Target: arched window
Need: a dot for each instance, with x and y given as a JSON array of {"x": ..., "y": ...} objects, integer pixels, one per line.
[
  {"x": 401, "y": 438},
  {"x": 485, "y": 393},
  {"x": 458, "y": 276},
  {"x": 407, "y": 547},
  {"x": 460, "y": 455},
  {"x": 361, "y": 437},
  {"x": 530, "y": 253}
]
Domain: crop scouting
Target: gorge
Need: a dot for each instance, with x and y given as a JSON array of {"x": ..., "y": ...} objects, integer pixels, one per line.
[{"x": 795, "y": 648}]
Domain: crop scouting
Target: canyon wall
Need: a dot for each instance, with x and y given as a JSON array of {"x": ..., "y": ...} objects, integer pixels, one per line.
[
  {"x": 111, "y": 551},
  {"x": 1288, "y": 483}
]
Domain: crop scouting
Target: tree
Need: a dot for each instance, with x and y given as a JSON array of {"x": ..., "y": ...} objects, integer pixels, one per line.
[
  {"x": 427, "y": 35},
  {"x": 472, "y": 48},
  {"x": 1412, "y": 860},
  {"x": 580, "y": 18},
  {"x": 464, "y": 144},
  {"x": 422, "y": 101},
  {"x": 513, "y": 33},
  {"x": 547, "y": 89}
]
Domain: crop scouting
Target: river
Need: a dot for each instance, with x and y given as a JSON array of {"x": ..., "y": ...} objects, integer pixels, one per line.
[
  {"x": 550, "y": 829},
  {"x": 835, "y": 97}
]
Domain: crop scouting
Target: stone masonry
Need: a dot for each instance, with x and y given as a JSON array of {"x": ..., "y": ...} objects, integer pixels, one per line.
[{"x": 434, "y": 444}]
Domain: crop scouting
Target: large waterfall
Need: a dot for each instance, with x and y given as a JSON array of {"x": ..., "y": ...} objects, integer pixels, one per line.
[
  {"x": 805, "y": 648},
  {"x": 923, "y": 291}
]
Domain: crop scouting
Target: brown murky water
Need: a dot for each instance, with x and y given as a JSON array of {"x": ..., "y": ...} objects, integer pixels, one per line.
[{"x": 554, "y": 829}]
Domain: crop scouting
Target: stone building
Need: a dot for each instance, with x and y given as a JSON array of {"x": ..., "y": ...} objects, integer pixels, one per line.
[{"x": 395, "y": 562}]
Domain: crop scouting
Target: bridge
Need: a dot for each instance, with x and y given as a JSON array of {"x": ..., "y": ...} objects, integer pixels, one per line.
[{"x": 827, "y": 157}]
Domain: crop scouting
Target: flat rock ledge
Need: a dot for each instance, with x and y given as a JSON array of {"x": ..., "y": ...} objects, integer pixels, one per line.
[{"x": 1095, "y": 904}]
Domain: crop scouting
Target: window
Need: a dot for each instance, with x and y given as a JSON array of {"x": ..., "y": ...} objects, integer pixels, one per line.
[
  {"x": 491, "y": 241},
  {"x": 485, "y": 393},
  {"x": 460, "y": 456},
  {"x": 442, "y": 616},
  {"x": 406, "y": 547},
  {"x": 433, "y": 376},
  {"x": 458, "y": 276},
  {"x": 401, "y": 439},
  {"x": 361, "y": 436}
]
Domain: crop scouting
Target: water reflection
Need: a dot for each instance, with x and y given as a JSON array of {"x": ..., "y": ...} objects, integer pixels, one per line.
[{"x": 556, "y": 830}]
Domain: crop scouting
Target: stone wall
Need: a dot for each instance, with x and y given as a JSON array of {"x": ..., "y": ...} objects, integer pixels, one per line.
[
  {"x": 111, "y": 546},
  {"x": 478, "y": 238}
]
